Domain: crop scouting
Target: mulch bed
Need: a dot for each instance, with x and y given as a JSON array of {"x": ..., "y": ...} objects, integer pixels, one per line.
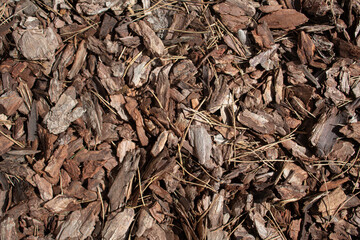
[{"x": 179, "y": 119}]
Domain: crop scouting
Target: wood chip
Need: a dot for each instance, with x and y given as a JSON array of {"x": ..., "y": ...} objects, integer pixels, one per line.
[
  {"x": 330, "y": 203},
  {"x": 122, "y": 182},
  {"x": 118, "y": 224},
  {"x": 64, "y": 112},
  {"x": 10, "y": 102},
  {"x": 275, "y": 19},
  {"x": 80, "y": 223},
  {"x": 202, "y": 143},
  {"x": 151, "y": 40}
]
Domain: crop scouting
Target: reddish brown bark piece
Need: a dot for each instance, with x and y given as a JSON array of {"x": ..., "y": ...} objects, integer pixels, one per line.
[
  {"x": 45, "y": 188},
  {"x": 55, "y": 163},
  {"x": 260, "y": 122},
  {"x": 91, "y": 167},
  {"x": 61, "y": 204},
  {"x": 75, "y": 189},
  {"x": 156, "y": 212},
  {"x": 306, "y": 48},
  {"x": 294, "y": 229},
  {"x": 72, "y": 168},
  {"x": 296, "y": 149},
  {"x": 183, "y": 71},
  {"x": 333, "y": 184},
  {"x": 161, "y": 192},
  {"x": 131, "y": 107},
  {"x": 10, "y": 102},
  {"x": 320, "y": 7},
  {"x": 228, "y": 8},
  {"x": 233, "y": 16},
  {"x": 151, "y": 40},
  {"x": 352, "y": 131},
  {"x": 276, "y": 19},
  {"x": 291, "y": 192},
  {"x": 235, "y": 23},
  {"x": 18, "y": 68},
  {"x": 159, "y": 144},
  {"x": 5, "y": 144},
  {"x": 269, "y": 9},
  {"x": 80, "y": 58},
  {"x": 329, "y": 204},
  {"x": 263, "y": 35},
  {"x": 342, "y": 151}
]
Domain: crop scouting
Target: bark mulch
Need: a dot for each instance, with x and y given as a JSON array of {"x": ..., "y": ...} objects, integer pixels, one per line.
[{"x": 165, "y": 119}]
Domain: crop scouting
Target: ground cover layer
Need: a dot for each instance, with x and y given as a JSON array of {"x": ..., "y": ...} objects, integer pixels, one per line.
[{"x": 171, "y": 119}]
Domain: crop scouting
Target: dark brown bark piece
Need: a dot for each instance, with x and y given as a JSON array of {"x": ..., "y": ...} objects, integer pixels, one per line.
[
  {"x": 107, "y": 26},
  {"x": 324, "y": 135},
  {"x": 346, "y": 49},
  {"x": 183, "y": 70},
  {"x": 306, "y": 48},
  {"x": 32, "y": 123}
]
